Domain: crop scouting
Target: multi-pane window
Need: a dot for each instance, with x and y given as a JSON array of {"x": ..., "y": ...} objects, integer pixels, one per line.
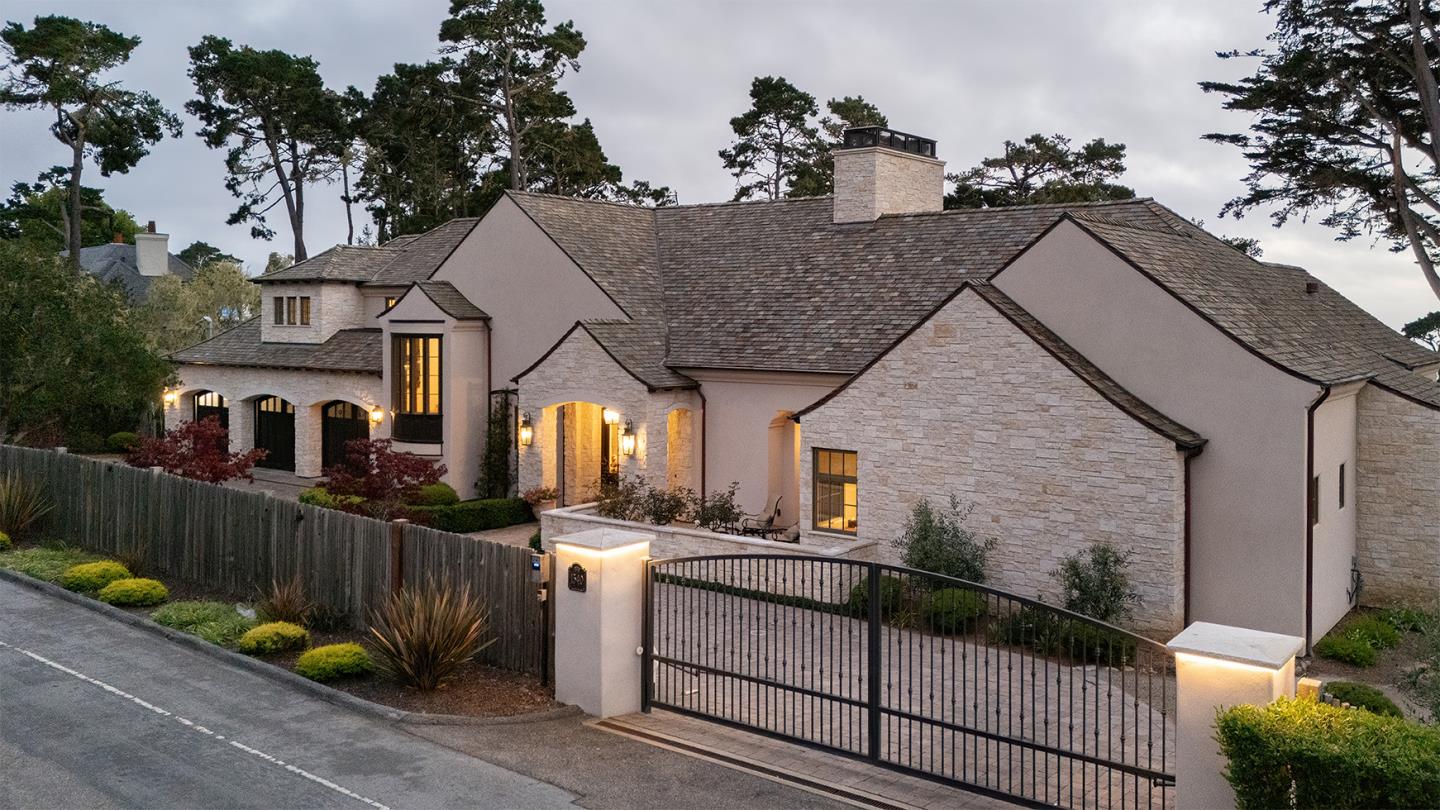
[
  {"x": 279, "y": 310},
  {"x": 292, "y": 310},
  {"x": 836, "y": 489},
  {"x": 416, "y": 388},
  {"x": 304, "y": 310}
]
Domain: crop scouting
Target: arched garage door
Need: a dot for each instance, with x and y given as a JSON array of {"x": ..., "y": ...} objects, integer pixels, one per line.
[
  {"x": 341, "y": 422},
  {"x": 275, "y": 432},
  {"x": 209, "y": 403}
]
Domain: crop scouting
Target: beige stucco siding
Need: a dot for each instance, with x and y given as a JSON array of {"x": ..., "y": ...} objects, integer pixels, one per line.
[
  {"x": 1334, "y": 531},
  {"x": 1248, "y": 489},
  {"x": 1397, "y": 480},
  {"x": 969, "y": 405}
]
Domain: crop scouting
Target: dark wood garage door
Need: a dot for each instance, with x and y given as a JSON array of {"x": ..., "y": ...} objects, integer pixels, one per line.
[
  {"x": 208, "y": 404},
  {"x": 342, "y": 421},
  {"x": 275, "y": 432}
]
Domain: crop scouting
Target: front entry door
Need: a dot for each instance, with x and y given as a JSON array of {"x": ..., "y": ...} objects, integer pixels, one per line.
[
  {"x": 341, "y": 422},
  {"x": 275, "y": 432}
]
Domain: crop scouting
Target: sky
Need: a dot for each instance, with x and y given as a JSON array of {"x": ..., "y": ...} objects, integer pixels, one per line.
[{"x": 660, "y": 80}]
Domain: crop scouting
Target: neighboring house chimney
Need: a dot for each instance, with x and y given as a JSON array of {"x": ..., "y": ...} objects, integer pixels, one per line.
[
  {"x": 152, "y": 252},
  {"x": 880, "y": 171}
]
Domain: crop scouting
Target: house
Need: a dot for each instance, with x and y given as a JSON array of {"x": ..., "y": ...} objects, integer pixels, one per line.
[
  {"x": 1077, "y": 373},
  {"x": 135, "y": 266}
]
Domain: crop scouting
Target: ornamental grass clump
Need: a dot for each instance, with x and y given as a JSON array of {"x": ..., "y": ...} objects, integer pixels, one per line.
[
  {"x": 91, "y": 577},
  {"x": 22, "y": 505},
  {"x": 216, "y": 622},
  {"x": 334, "y": 661},
  {"x": 47, "y": 563},
  {"x": 422, "y": 635},
  {"x": 134, "y": 592},
  {"x": 286, "y": 602},
  {"x": 273, "y": 637}
]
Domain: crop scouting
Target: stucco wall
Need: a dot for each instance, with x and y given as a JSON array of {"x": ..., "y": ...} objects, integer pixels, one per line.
[
  {"x": 1334, "y": 533},
  {"x": 969, "y": 405},
  {"x": 1247, "y": 563},
  {"x": 1397, "y": 484},
  {"x": 332, "y": 307}
]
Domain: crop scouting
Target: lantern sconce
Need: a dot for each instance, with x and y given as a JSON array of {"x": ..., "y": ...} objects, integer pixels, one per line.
[
  {"x": 627, "y": 438},
  {"x": 610, "y": 416},
  {"x": 377, "y": 415},
  {"x": 527, "y": 430},
  {"x": 171, "y": 396}
]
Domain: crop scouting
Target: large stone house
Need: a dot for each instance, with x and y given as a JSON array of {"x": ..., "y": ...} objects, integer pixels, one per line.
[{"x": 1077, "y": 373}]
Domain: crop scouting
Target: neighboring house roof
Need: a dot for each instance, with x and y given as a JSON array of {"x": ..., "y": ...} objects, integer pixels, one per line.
[
  {"x": 451, "y": 301},
  {"x": 355, "y": 350},
  {"x": 400, "y": 261},
  {"x": 1320, "y": 336},
  {"x": 114, "y": 262}
]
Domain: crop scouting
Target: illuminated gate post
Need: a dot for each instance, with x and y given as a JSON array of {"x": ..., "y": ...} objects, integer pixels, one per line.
[{"x": 599, "y": 619}]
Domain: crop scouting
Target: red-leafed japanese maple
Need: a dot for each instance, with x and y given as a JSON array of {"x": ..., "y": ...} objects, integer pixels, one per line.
[
  {"x": 198, "y": 450},
  {"x": 386, "y": 478}
]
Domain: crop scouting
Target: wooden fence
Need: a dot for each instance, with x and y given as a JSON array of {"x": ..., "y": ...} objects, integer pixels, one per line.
[{"x": 235, "y": 541}]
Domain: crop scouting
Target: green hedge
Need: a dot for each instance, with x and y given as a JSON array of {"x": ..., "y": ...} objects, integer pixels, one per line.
[
  {"x": 439, "y": 494},
  {"x": 474, "y": 516},
  {"x": 121, "y": 441},
  {"x": 1363, "y": 696},
  {"x": 1306, "y": 754}
]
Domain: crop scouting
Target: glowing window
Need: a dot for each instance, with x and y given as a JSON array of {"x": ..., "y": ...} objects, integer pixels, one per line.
[{"x": 836, "y": 490}]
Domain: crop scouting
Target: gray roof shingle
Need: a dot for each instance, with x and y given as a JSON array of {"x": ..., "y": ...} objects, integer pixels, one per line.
[
  {"x": 451, "y": 301},
  {"x": 400, "y": 261},
  {"x": 356, "y": 350},
  {"x": 116, "y": 263},
  {"x": 342, "y": 263}
]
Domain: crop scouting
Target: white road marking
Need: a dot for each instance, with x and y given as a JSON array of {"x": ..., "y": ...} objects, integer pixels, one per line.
[{"x": 319, "y": 780}]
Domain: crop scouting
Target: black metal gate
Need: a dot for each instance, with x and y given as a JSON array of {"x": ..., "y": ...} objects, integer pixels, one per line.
[
  {"x": 275, "y": 433},
  {"x": 926, "y": 674},
  {"x": 340, "y": 422}
]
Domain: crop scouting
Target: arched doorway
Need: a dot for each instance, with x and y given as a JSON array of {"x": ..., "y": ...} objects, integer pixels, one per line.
[
  {"x": 585, "y": 450},
  {"x": 275, "y": 432},
  {"x": 210, "y": 403},
  {"x": 340, "y": 421}
]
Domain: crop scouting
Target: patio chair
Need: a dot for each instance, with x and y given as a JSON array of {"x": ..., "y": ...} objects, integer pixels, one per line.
[{"x": 755, "y": 526}]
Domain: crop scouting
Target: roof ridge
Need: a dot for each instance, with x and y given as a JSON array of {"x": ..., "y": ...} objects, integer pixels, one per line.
[
  {"x": 571, "y": 198},
  {"x": 1028, "y": 207}
]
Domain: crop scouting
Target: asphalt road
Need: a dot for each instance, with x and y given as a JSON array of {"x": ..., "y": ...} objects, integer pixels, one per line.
[{"x": 96, "y": 714}]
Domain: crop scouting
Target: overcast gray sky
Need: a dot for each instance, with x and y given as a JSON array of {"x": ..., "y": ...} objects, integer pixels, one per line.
[{"x": 660, "y": 80}]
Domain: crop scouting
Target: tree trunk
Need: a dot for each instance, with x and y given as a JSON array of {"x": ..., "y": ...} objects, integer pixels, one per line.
[
  {"x": 77, "y": 163},
  {"x": 349, "y": 218},
  {"x": 297, "y": 213}
]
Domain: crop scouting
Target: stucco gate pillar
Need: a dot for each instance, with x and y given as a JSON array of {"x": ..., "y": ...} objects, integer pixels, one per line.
[
  {"x": 599, "y": 588},
  {"x": 1217, "y": 667}
]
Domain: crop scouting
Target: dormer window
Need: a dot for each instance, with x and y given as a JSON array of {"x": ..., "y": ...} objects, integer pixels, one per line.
[{"x": 292, "y": 310}]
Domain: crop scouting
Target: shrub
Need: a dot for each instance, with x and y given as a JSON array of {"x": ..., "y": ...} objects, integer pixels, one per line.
[
  {"x": 198, "y": 450},
  {"x": 4, "y": 542},
  {"x": 421, "y": 635},
  {"x": 135, "y": 557},
  {"x": 538, "y": 495},
  {"x": 621, "y": 498},
  {"x": 216, "y": 622},
  {"x": 91, "y": 577},
  {"x": 273, "y": 637},
  {"x": 1364, "y": 696},
  {"x": 936, "y": 540},
  {"x": 334, "y": 661},
  {"x": 497, "y": 475},
  {"x": 718, "y": 510},
  {"x": 892, "y": 596},
  {"x": 1373, "y": 630},
  {"x": 22, "y": 505},
  {"x": 436, "y": 494},
  {"x": 1051, "y": 633},
  {"x": 1095, "y": 584},
  {"x": 49, "y": 564},
  {"x": 384, "y": 478},
  {"x": 1346, "y": 650},
  {"x": 1306, "y": 754},
  {"x": 949, "y": 610},
  {"x": 665, "y": 506},
  {"x": 1410, "y": 620},
  {"x": 473, "y": 516},
  {"x": 121, "y": 441},
  {"x": 535, "y": 543},
  {"x": 319, "y": 496},
  {"x": 285, "y": 602},
  {"x": 134, "y": 592}
]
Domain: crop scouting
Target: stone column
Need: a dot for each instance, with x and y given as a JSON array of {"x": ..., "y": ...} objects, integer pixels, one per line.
[
  {"x": 308, "y": 455},
  {"x": 1216, "y": 667},
  {"x": 599, "y": 589},
  {"x": 242, "y": 424}
]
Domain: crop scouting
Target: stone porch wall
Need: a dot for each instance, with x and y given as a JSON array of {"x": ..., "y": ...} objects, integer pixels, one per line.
[{"x": 1397, "y": 482}]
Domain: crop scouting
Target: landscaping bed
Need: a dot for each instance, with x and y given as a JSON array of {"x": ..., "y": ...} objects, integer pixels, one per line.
[{"x": 1403, "y": 664}]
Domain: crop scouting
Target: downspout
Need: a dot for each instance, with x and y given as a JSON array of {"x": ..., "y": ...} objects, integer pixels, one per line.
[
  {"x": 700, "y": 390},
  {"x": 1190, "y": 454},
  {"x": 1309, "y": 517}
]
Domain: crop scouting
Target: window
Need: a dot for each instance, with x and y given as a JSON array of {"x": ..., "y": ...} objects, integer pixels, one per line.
[
  {"x": 305, "y": 310},
  {"x": 415, "y": 365},
  {"x": 290, "y": 310},
  {"x": 835, "y": 491},
  {"x": 279, "y": 310},
  {"x": 1314, "y": 500},
  {"x": 1342, "y": 486},
  {"x": 390, "y": 301}
]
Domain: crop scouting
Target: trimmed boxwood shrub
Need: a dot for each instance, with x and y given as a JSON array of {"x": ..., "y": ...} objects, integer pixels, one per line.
[
  {"x": 273, "y": 637},
  {"x": 335, "y": 661},
  {"x": 1346, "y": 650},
  {"x": 319, "y": 496},
  {"x": 950, "y": 610},
  {"x": 1051, "y": 633},
  {"x": 4, "y": 542},
  {"x": 436, "y": 494},
  {"x": 1363, "y": 696},
  {"x": 474, "y": 516},
  {"x": 216, "y": 622},
  {"x": 91, "y": 577},
  {"x": 134, "y": 592},
  {"x": 892, "y": 596},
  {"x": 1306, "y": 754},
  {"x": 122, "y": 441}
]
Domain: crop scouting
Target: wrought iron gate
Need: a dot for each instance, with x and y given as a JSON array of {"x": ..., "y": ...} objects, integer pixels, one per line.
[{"x": 926, "y": 674}]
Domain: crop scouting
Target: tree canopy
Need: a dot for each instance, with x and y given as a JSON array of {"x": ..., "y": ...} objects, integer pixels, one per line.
[
  {"x": 1042, "y": 169},
  {"x": 61, "y": 64},
  {"x": 176, "y": 313},
  {"x": 38, "y": 214},
  {"x": 775, "y": 140},
  {"x": 199, "y": 254},
  {"x": 1345, "y": 117},
  {"x": 817, "y": 178},
  {"x": 1425, "y": 330}
]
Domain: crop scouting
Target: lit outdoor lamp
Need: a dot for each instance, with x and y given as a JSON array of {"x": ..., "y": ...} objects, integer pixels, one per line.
[
  {"x": 377, "y": 415},
  {"x": 171, "y": 396},
  {"x": 609, "y": 416},
  {"x": 627, "y": 439},
  {"x": 527, "y": 430}
]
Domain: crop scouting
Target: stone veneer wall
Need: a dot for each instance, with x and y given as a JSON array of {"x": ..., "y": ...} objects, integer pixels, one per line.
[
  {"x": 1397, "y": 482},
  {"x": 873, "y": 181},
  {"x": 970, "y": 405},
  {"x": 332, "y": 307}
]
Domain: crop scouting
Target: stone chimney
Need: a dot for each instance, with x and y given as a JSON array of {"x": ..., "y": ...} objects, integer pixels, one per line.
[
  {"x": 152, "y": 252},
  {"x": 880, "y": 171}
]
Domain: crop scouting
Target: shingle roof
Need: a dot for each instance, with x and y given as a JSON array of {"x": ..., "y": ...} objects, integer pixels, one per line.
[
  {"x": 1321, "y": 336},
  {"x": 116, "y": 263},
  {"x": 400, "y": 261},
  {"x": 451, "y": 301},
  {"x": 356, "y": 350},
  {"x": 339, "y": 263},
  {"x": 418, "y": 258}
]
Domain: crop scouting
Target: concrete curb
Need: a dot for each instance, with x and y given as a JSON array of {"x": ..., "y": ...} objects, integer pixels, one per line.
[{"x": 282, "y": 676}]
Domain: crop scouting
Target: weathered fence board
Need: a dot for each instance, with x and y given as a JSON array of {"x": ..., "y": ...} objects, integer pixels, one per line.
[{"x": 237, "y": 542}]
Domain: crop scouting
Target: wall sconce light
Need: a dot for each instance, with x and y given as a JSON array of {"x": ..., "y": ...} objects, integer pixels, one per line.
[
  {"x": 377, "y": 415},
  {"x": 609, "y": 416},
  {"x": 527, "y": 430},
  {"x": 627, "y": 439},
  {"x": 171, "y": 397}
]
